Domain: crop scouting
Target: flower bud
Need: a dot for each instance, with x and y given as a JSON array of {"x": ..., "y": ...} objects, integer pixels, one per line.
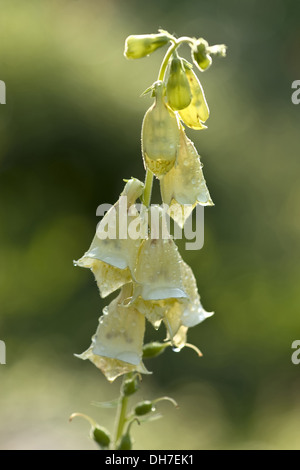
[
  {"x": 97, "y": 433},
  {"x": 200, "y": 54},
  {"x": 178, "y": 88},
  {"x": 143, "y": 408},
  {"x": 101, "y": 436},
  {"x": 160, "y": 135},
  {"x": 125, "y": 442},
  {"x": 130, "y": 386},
  {"x": 154, "y": 349},
  {"x": 144, "y": 44}
]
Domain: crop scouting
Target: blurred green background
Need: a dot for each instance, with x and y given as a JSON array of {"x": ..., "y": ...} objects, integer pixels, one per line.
[{"x": 69, "y": 134}]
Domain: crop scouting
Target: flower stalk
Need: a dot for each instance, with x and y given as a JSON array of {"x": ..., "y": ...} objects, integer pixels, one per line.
[
  {"x": 155, "y": 284},
  {"x": 121, "y": 417}
]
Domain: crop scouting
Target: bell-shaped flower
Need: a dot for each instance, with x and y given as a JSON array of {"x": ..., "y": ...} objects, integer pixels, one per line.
[
  {"x": 113, "y": 252},
  {"x": 184, "y": 186},
  {"x": 178, "y": 314},
  {"x": 197, "y": 112},
  {"x": 184, "y": 313},
  {"x": 157, "y": 274},
  {"x": 144, "y": 44},
  {"x": 160, "y": 134},
  {"x": 117, "y": 346},
  {"x": 178, "y": 88}
]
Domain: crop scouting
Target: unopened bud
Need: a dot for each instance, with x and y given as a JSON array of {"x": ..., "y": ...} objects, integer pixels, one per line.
[
  {"x": 101, "y": 436},
  {"x": 178, "y": 88},
  {"x": 132, "y": 190},
  {"x": 154, "y": 349},
  {"x": 97, "y": 433},
  {"x": 160, "y": 135},
  {"x": 130, "y": 386},
  {"x": 200, "y": 54},
  {"x": 144, "y": 44},
  {"x": 143, "y": 408},
  {"x": 125, "y": 442}
]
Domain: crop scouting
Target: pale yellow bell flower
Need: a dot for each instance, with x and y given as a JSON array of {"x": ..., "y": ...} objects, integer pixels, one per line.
[
  {"x": 157, "y": 274},
  {"x": 184, "y": 186},
  {"x": 184, "y": 313},
  {"x": 117, "y": 346},
  {"x": 178, "y": 314},
  {"x": 160, "y": 135},
  {"x": 113, "y": 252},
  {"x": 197, "y": 112}
]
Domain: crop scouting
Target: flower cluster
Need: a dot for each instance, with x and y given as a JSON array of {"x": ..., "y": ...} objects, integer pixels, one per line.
[{"x": 155, "y": 283}]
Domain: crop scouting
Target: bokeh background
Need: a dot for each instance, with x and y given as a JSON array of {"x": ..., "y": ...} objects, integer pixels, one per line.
[{"x": 69, "y": 134}]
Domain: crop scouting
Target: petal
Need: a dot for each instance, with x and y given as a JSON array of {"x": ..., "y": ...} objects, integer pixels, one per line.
[
  {"x": 179, "y": 339},
  {"x": 117, "y": 346},
  {"x": 118, "y": 253},
  {"x": 108, "y": 278},
  {"x": 172, "y": 319},
  {"x": 120, "y": 333},
  {"x": 192, "y": 311},
  {"x": 197, "y": 112},
  {"x": 111, "y": 368},
  {"x": 114, "y": 246},
  {"x": 180, "y": 212},
  {"x": 185, "y": 183},
  {"x": 154, "y": 310},
  {"x": 157, "y": 272},
  {"x": 114, "y": 251},
  {"x": 184, "y": 313}
]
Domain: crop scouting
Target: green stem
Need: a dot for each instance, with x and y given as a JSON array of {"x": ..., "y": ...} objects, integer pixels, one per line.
[
  {"x": 148, "y": 188},
  {"x": 121, "y": 414},
  {"x": 165, "y": 61},
  {"x": 176, "y": 43}
]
